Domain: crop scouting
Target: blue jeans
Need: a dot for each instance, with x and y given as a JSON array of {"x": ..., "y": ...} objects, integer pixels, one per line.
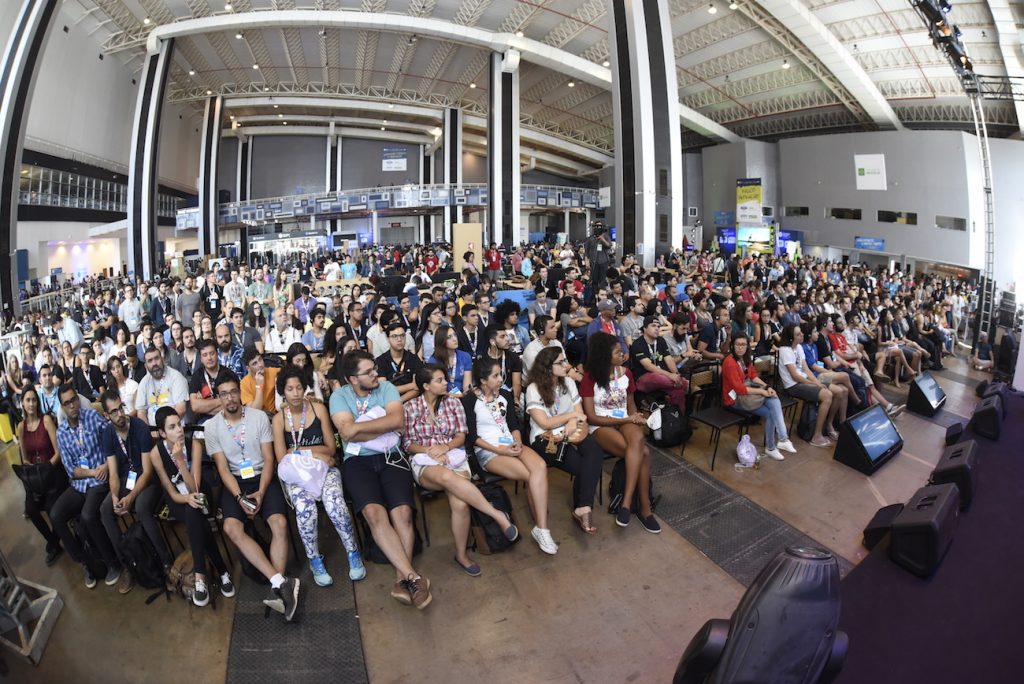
[{"x": 775, "y": 422}]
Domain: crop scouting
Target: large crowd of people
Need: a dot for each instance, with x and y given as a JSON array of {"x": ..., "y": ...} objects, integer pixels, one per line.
[{"x": 348, "y": 380}]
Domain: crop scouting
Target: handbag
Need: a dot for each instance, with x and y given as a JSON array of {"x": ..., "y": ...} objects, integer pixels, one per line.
[
  {"x": 749, "y": 402},
  {"x": 303, "y": 470},
  {"x": 553, "y": 438},
  {"x": 37, "y": 477}
]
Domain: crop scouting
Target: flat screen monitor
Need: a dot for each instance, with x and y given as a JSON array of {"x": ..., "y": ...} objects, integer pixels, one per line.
[{"x": 876, "y": 432}]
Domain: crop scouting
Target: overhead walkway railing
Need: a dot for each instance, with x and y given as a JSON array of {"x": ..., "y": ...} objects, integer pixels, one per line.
[
  {"x": 391, "y": 200},
  {"x": 43, "y": 187}
]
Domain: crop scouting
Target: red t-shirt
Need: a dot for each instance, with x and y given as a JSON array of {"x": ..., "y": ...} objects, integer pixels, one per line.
[
  {"x": 493, "y": 260},
  {"x": 430, "y": 263}
]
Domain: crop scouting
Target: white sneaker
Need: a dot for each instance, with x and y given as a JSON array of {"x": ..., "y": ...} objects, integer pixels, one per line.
[
  {"x": 774, "y": 454},
  {"x": 544, "y": 540},
  {"x": 786, "y": 445},
  {"x": 895, "y": 410}
]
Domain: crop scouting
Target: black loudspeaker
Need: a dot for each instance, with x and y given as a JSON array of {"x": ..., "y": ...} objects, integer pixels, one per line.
[
  {"x": 953, "y": 433},
  {"x": 923, "y": 531},
  {"x": 867, "y": 440},
  {"x": 958, "y": 465},
  {"x": 880, "y": 525},
  {"x": 784, "y": 629},
  {"x": 981, "y": 388},
  {"x": 994, "y": 389},
  {"x": 925, "y": 397},
  {"x": 988, "y": 417}
]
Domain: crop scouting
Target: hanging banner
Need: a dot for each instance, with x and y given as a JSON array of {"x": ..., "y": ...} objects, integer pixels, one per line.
[
  {"x": 870, "y": 171},
  {"x": 394, "y": 159},
  {"x": 748, "y": 202}
]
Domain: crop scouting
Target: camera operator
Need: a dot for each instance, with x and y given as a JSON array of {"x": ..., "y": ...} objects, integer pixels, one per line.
[{"x": 598, "y": 251}]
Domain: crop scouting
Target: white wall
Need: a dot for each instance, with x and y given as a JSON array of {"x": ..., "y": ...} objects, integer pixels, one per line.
[
  {"x": 85, "y": 257},
  {"x": 83, "y": 107},
  {"x": 41, "y": 239},
  {"x": 1008, "y": 192}
]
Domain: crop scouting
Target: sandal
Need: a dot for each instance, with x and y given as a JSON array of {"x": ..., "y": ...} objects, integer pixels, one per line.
[
  {"x": 824, "y": 444},
  {"x": 586, "y": 522}
]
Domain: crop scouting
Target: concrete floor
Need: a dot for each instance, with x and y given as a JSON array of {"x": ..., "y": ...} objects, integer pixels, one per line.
[{"x": 618, "y": 607}]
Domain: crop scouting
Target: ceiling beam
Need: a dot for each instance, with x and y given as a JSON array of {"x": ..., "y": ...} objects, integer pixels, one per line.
[
  {"x": 794, "y": 25},
  {"x": 365, "y": 133},
  {"x": 537, "y": 52},
  {"x": 334, "y": 103}
]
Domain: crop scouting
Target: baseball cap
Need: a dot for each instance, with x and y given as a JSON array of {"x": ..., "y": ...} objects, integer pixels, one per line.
[
  {"x": 650, "y": 319},
  {"x": 606, "y": 305}
]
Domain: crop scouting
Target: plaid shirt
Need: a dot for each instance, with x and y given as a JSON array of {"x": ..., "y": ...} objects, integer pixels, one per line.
[
  {"x": 84, "y": 454},
  {"x": 420, "y": 429},
  {"x": 233, "y": 361}
]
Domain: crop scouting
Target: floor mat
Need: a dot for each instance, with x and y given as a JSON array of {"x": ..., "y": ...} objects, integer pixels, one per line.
[
  {"x": 323, "y": 644},
  {"x": 735, "y": 533}
]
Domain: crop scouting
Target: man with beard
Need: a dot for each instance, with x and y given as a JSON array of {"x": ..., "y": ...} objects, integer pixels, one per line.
[
  {"x": 187, "y": 360},
  {"x": 229, "y": 354},
  {"x": 162, "y": 386},
  {"x": 241, "y": 443}
]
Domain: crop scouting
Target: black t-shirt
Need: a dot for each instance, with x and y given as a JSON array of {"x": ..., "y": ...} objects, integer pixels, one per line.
[
  {"x": 138, "y": 442},
  {"x": 398, "y": 373},
  {"x": 200, "y": 384},
  {"x": 510, "y": 363},
  {"x": 708, "y": 335},
  {"x": 641, "y": 349},
  {"x": 824, "y": 348},
  {"x": 213, "y": 300},
  {"x": 358, "y": 334}
]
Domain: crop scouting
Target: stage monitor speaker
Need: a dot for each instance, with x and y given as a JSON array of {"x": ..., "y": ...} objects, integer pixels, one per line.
[
  {"x": 988, "y": 417},
  {"x": 994, "y": 389},
  {"x": 958, "y": 465},
  {"x": 868, "y": 440},
  {"x": 880, "y": 525},
  {"x": 925, "y": 397},
  {"x": 923, "y": 531},
  {"x": 953, "y": 433}
]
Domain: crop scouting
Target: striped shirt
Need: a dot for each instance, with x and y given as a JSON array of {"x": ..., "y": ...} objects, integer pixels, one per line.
[{"x": 80, "y": 447}]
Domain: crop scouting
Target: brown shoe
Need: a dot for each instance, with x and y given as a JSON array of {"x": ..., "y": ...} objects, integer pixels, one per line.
[
  {"x": 419, "y": 590},
  {"x": 126, "y": 583},
  {"x": 400, "y": 592}
]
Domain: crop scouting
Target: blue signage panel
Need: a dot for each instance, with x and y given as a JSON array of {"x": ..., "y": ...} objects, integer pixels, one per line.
[
  {"x": 725, "y": 218},
  {"x": 726, "y": 240},
  {"x": 870, "y": 244}
]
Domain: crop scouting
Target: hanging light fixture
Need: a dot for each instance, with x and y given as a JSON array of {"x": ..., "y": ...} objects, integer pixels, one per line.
[
  {"x": 785, "y": 64},
  {"x": 712, "y": 9}
]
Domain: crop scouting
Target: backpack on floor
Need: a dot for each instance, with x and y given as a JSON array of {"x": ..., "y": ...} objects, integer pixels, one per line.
[
  {"x": 489, "y": 536},
  {"x": 808, "y": 418},
  {"x": 675, "y": 428},
  {"x": 142, "y": 561},
  {"x": 617, "y": 490}
]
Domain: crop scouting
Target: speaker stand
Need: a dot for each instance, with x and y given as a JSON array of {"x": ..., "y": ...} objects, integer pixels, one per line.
[{"x": 28, "y": 612}]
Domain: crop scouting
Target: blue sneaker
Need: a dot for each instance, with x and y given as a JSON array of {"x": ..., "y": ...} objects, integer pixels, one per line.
[
  {"x": 356, "y": 569},
  {"x": 320, "y": 575}
]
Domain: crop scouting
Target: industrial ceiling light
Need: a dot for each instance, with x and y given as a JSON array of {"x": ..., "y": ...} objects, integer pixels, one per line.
[
  {"x": 712, "y": 9},
  {"x": 382, "y": 128},
  {"x": 209, "y": 92},
  {"x": 284, "y": 123},
  {"x": 734, "y": 5},
  {"x": 256, "y": 67},
  {"x": 228, "y": 7},
  {"x": 191, "y": 72},
  {"x": 519, "y": 34},
  {"x": 472, "y": 85},
  {"x": 385, "y": 122},
  {"x": 606, "y": 63},
  {"x": 275, "y": 106},
  {"x": 266, "y": 90},
  {"x": 231, "y": 116},
  {"x": 280, "y": 116},
  {"x": 785, "y": 64},
  {"x": 571, "y": 84},
  {"x": 146, "y": 21},
  {"x": 436, "y": 131},
  {"x": 391, "y": 106},
  {"x": 238, "y": 36}
]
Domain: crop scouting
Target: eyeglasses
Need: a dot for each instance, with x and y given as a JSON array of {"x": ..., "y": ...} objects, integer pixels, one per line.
[
  {"x": 230, "y": 393},
  {"x": 116, "y": 411},
  {"x": 69, "y": 402},
  {"x": 397, "y": 336},
  {"x": 368, "y": 373}
]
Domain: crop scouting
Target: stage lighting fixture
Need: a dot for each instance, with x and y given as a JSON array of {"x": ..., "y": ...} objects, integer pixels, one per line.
[
  {"x": 785, "y": 624},
  {"x": 945, "y": 6},
  {"x": 930, "y": 11}
]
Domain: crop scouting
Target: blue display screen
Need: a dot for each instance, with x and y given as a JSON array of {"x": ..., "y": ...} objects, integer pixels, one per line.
[{"x": 875, "y": 430}]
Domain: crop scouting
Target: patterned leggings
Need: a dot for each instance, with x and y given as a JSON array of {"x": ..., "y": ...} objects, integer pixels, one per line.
[{"x": 334, "y": 503}]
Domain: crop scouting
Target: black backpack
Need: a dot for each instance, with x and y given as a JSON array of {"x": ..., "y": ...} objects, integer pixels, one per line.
[
  {"x": 808, "y": 418},
  {"x": 489, "y": 536},
  {"x": 675, "y": 428},
  {"x": 138, "y": 554},
  {"x": 617, "y": 489}
]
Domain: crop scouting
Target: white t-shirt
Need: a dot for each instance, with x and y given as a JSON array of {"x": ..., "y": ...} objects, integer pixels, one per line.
[
  {"x": 789, "y": 355},
  {"x": 564, "y": 403},
  {"x": 491, "y": 424},
  {"x": 170, "y": 390},
  {"x": 534, "y": 348}
]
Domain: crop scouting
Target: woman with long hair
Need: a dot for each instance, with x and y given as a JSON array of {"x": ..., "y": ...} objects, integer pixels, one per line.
[
  {"x": 888, "y": 345},
  {"x": 495, "y": 437},
  {"x": 335, "y": 333},
  {"x": 430, "y": 319},
  {"x": 15, "y": 378},
  {"x": 435, "y": 437},
  {"x": 800, "y": 383},
  {"x": 206, "y": 329},
  {"x": 118, "y": 379},
  {"x": 555, "y": 408},
  {"x": 37, "y": 443},
  {"x": 303, "y": 428},
  {"x": 121, "y": 341},
  {"x": 256, "y": 319},
  {"x": 186, "y": 495},
  {"x": 608, "y": 401},
  {"x": 336, "y": 375},
  {"x": 739, "y": 378},
  {"x": 457, "y": 364},
  {"x": 175, "y": 343},
  {"x": 300, "y": 357},
  {"x": 66, "y": 360},
  {"x": 282, "y": 290}
]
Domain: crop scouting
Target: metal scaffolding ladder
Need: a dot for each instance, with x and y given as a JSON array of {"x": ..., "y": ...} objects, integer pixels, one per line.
[
  {"x": 986, "y": 301},
  {"x": 28, "y": 612}
]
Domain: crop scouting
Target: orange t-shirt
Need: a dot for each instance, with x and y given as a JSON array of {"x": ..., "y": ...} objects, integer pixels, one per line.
[{"x": 248, "y": 388}]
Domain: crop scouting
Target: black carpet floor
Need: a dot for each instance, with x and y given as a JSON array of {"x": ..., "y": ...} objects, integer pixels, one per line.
[
  {"x": 735, "y": 533},
  {"x": 964, "y": 623},
  {"x": 322, "y": 644}
]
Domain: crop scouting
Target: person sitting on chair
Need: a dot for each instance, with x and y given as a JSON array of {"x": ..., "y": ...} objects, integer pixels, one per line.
[
  {"x": 800, "y": 383},
  {"x": 739, "y": 379},
  {"x": 435, "y": 437}
]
